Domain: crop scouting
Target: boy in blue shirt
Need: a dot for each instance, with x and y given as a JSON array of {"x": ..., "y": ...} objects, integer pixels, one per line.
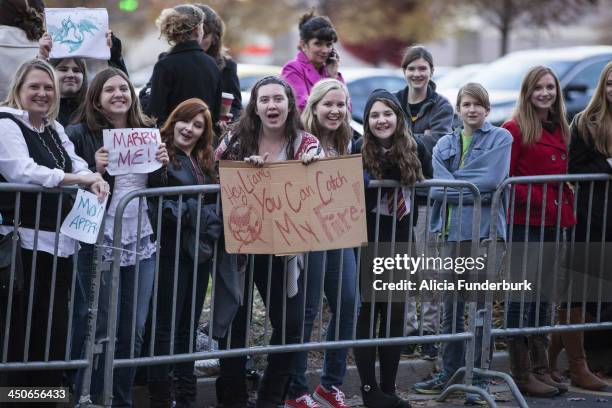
[{"x": 478, "y": 153}]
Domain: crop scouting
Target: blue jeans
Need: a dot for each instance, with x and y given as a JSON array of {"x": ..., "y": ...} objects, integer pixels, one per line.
[
  {"x": 334, "y": 365},
  {"x": 123, "y": 378},
  {"x": 453, "y": 355}
]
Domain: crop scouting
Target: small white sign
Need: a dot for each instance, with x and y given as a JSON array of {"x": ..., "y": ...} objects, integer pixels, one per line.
[
  {"x": 131, "y": 150},
  {"x": 609, "y": 159},
  {"x": 78, "y": 32},
  {"x": 85, "y": 218}
]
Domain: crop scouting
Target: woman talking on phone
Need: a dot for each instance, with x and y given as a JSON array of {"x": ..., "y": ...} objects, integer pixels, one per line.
[{"x": 316, "y": 58}]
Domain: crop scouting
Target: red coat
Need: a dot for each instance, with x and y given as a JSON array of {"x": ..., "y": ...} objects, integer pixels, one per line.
[{"x": 548, "y": 156}]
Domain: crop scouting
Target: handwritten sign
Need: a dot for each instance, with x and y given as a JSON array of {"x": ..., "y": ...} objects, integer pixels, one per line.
[
  {"x": 131, "y": 150},
  {"x": 78, "y": 32},
  {"x": 287, "y": 207},
  {"x": 85, "y": 218}
]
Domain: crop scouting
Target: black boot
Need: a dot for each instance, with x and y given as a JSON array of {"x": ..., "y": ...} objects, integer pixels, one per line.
[
  {"x": 231, "y": 392},
  {"x": 272, "y": 389},
  {"x": 186, "y": 389},
  {"x": 160, "y": 394}
]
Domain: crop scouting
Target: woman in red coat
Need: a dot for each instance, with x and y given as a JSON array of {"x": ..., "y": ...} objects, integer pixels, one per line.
[{"x": 540, "y": 135}]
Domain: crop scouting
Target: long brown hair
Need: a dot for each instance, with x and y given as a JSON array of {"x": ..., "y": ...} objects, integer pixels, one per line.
[
  {"x": 403, "y": 152},
  {"x": 202, "y": 151},
  {"x": 92, "y": 113},
  {"x": 247, "y": 131},
  {"x": 213, "y": 24},
  {"x": 340, "y": 137},
  {"x": 525, "y": 113},
  {"x": 596, "y": 120}
]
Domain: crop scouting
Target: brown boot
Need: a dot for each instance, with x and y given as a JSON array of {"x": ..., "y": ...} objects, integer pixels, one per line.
[
  {"x": 520, "y": 367},
  {"x": 573, "y": 342},
  {"x": 554, "y": 349},
  {"x": 539, "y": 362}
]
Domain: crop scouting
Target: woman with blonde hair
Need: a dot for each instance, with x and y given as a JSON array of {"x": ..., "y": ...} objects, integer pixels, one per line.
[
  {"x": 34, "y": 149},
  {"x": 540, "y": 134},
  {"x": 186, "y": 71},
  {"x": 326, "y": 116},
  {"x": 590, "y": 152}
]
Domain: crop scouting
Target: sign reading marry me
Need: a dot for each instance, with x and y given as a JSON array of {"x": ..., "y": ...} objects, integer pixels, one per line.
[
  {"x": 85, "y": 218},
  {"x": 78, "y": 32},
  {"x": 131, "y": 150},
  {"x": 287, "y": 207}
]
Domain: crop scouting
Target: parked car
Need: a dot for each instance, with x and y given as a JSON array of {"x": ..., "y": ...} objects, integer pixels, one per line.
[
  {"x": 362, "y": 81},
  {"x": 458, "y": 77},
  {"x": 248, "y": 74},
  {"x": 578, "y": 69}
]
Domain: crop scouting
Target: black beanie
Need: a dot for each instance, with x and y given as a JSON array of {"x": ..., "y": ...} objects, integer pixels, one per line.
[{"x": 377, "y": 95}]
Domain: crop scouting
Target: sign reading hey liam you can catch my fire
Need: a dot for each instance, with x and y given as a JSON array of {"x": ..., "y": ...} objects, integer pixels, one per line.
[
  {"x": 287, "y": 207},
  {"x": 131, "y": 150}
]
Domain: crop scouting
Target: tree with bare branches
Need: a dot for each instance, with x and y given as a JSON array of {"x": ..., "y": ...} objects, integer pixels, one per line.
[{"x": 506, "y": 14}]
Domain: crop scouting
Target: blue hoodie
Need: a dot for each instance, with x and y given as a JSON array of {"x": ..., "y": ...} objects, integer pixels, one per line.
[{"x": 486, "y": 164}]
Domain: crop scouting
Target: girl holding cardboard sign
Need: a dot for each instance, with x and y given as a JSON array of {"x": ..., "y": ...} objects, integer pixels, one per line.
[
  {"x": 111, "y": 103},
  {"x": 270, "y": 127},
  {"x": 326, "y": 116}
]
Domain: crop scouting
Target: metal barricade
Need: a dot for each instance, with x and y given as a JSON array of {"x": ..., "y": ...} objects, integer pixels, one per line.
[
  {"x": 282, "y": 313},
  {"x": 37, "y": 300},
  {"x": 283, "y": 329},
  {"x": 554, "y": 243}
]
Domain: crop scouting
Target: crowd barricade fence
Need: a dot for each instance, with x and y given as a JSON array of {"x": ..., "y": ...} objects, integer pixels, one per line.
[
  {"x": 553, "y": 260},
  {"x": 266, "y": 330}
]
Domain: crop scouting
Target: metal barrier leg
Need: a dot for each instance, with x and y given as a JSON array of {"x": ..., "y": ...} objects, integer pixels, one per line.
[
  {"x": 84, "y": 399},
  {"x": 507, "y": 378}
]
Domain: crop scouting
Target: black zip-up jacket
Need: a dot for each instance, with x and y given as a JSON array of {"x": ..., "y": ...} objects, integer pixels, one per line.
[
  {"x": 86, "y": 144},
  {"x": 173, "y": 176},
  {"x": 584, "y": 158}
]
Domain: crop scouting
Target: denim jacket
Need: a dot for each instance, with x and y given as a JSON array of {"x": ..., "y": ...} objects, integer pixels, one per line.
[{"x": 486, "y": 164}]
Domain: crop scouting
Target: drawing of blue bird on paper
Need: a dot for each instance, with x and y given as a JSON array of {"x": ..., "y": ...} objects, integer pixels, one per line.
[{"x": 72, "y": 34}]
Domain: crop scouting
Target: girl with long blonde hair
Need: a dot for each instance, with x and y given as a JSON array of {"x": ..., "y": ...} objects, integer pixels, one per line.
[{"x": 590, "y": 151}]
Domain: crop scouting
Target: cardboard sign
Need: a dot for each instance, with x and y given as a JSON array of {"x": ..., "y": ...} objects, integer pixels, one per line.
[
  {"x": 85, "y": 218},
  {"x": 131, "y": 150},
  {"x": 78, "y": 32},
  {"x": 287, "y": 207}
]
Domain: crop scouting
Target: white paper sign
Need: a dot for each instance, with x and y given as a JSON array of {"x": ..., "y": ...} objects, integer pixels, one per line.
[
  {"x": 131, "y": 150},
  {"x": 78, "y": 32},
  {"x": 85, "y": 218},
  {"x": 609, "y": 161}
]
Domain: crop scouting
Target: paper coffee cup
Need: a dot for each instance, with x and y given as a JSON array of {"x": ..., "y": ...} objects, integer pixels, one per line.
[
  {"x": 226, "y": 104},
  {"x": 227, "y": 99}
]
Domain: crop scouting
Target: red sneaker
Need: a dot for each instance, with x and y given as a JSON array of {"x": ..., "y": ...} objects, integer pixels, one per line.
[
  {"x": 305, "y": 401},
  {"x": 329, "y": 399}
]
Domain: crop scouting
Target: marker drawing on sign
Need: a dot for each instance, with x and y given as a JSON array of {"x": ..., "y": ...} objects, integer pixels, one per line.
[{"x": 245, "y": 224}]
